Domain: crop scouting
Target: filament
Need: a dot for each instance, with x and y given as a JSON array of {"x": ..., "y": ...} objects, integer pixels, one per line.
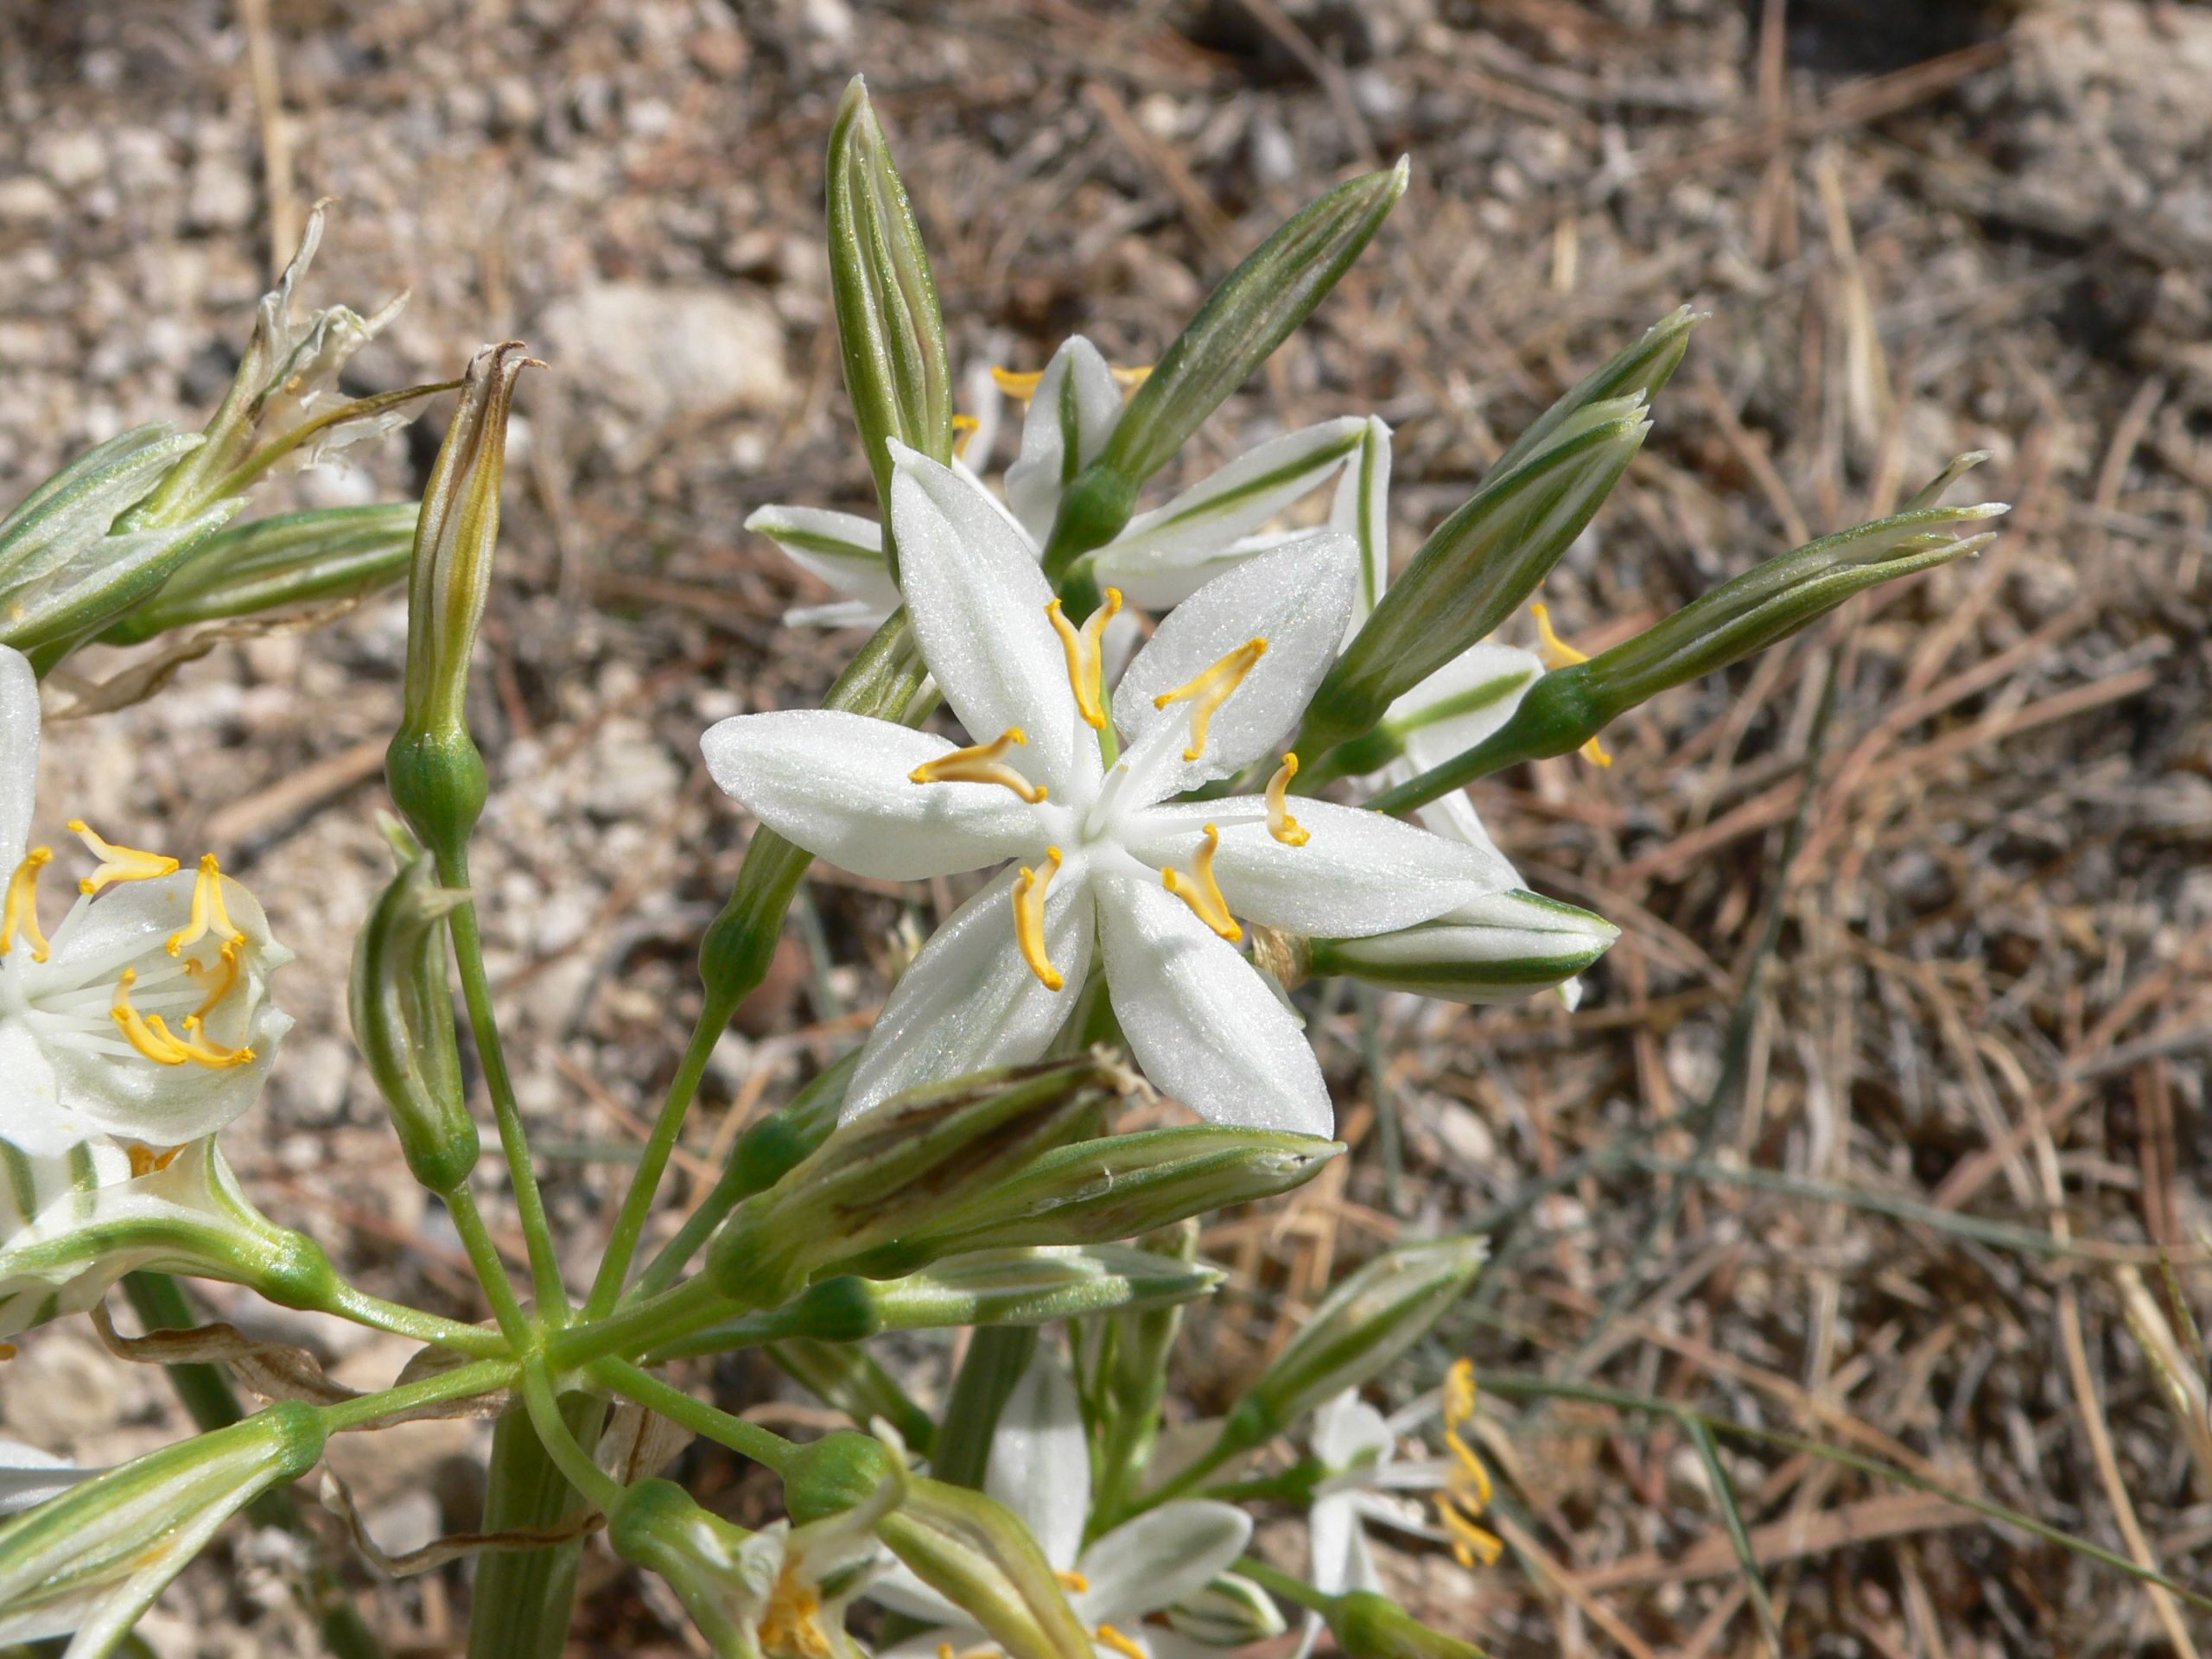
[
  {"x": 982, "y": 763},
  {"x": 1201, "y": 892},
  {"x": 1086, "y": 662},
  {"x": 1284, "y": 828},
  {"x": 1211, "y": 690}
]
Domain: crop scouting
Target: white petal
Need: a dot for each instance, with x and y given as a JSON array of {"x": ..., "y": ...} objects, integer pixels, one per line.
[
  {"x": 1332, "y": 1525},
  {"x": 901, "y": 1590},
  {"x": 28, "y": 1476},
  {"x": 1297, "y": 598},
  {"x": 842, "y": 614},
  {"x": 36, "y": 1122},
  {"x": 977, "y": 599},
  {"x": 1040, "y": 1462},
  {"x": 1158, "y": 1559},
  {"x": 1165, "y": 555},
  {"x": 1076, "y": 408},
  {"x": 839, "y": 785},
  {"x": 1464, "y": 701},
  {"x": 1201, "y": 1022},
  {"x": 18, "y": 755},
  {"x": 1347, "y": 1430},
  {"x": 1359, "y": 873},
  {"x": 842, "y": 549},
  {"x": 1362, "y": 510},
  {"x": 970, "y": 1000}
]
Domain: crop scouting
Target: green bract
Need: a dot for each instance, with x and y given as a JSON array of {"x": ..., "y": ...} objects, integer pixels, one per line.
[{"x": 295, "y": 558}]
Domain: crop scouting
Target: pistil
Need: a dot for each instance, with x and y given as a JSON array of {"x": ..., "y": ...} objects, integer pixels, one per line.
[
  {"x": 1202, "y": 892},
  {"x": 1086, "y": 662},
  {"x": 982, "y": 763},
  {"x": 1206, "y": 693}
]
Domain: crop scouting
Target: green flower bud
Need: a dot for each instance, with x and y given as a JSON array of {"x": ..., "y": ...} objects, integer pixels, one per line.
[
  {"x": 1228, "y": 1613},
  {"x": 1363, "y": 1325},
  {"x": 1477, "y": 567},
  {"x": 844, "y": 1374},
  {"x": 1242, "y": 322},
  {"x": 723, "y": 1574},
  {"x": 1639, "y": 370},
  {"x": 840, "y": 1471},
  {"x": 889, "y": 329},
  {"x": 1569, "y": 706},
  {"x": 975, "y": 1553},
  {"x": 770, "y": 1148},
  {"x": 1369, "y": 1626},
  {"x": 402, "y": 1006},
  {"x": 94, "y": 1559},
  {"x": 882, "y": 1173},
  {"x": 297, "y": 559},
  {"x": 1496, "y": 949},
  {"x": 436, "y": 774}
]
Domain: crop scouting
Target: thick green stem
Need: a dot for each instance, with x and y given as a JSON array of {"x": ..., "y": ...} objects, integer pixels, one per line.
[
  {"x": 648, "y": 1324},
  {"x": 524, "y": 1599},
  {"x": 997, "y": 1356},
  {"x": 367, "y": 1410},
  {"x": 762, "y": 1445}
]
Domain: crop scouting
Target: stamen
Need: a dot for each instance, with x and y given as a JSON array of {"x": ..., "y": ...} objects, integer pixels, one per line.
[
  {"x": 1113, "y": 1638},
  {"x": 207, "y": 913},
  {"x": 1130, "y": 379},
  {"x": 1202, "y": 894},
  {"x": 198, "y": 1046},
  {"x": 1557, "y": 653},
  {"x": 1017, "y": 385},
  {"x": 791, "y": 1622},
  {"x": 149, "y": 1037},
  {"x": 981, "y": 763},
  {"x": 118, "y": 863},
  {"x": 1467, "y": 1485},
  {"x": 23, "y": 905},
  {"x": 145, "y": 1161},
  {"x": 1284, "y": 828},
  {"x": 1029, "y": 920},
  {"x": 227, "y": 966},
  {"x": 1211, "y": 690},
  {"x": 1073, "y": 1581},
  {"x": 1086, "y": 662},
  {"x": 8, "y": 1351}
]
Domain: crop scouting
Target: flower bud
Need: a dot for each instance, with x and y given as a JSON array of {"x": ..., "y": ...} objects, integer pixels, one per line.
[
  {"x": 295, "y": 558},
  {"x": 889, "y": 329},
  {"x": 1477, "y": 567},
  {"x": 722, "y": 1574},
  {"x": 94, "y": 1559},
  {"x": 1371, "y": 1626},
  {"x": 839, "y": 1473},
  {"x": 1569, "y": 706},
  {"x": 402, "y": 1006},
  {"x": 1364, "y": 1325},
  {"x": 1637, "y": 371},
  {"x": 883, "y": 1173},
  {"x": 1229, "y": 1613},
  {"x": 777, "y": 1144},
  {"x": 1498, "y": 948},
  {"x": 1242, "y": 322},
  {"x": 973, "y": 1551},
  {"x": 436, "y": 774}
]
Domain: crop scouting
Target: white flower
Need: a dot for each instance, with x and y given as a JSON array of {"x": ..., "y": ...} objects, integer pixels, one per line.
[
  {"x": 145, "y": 1014},
  {"x": 1108, "y": 858},
  {"x": 1160, "y": 558},
  {"x": 1040, "y": 1470}
]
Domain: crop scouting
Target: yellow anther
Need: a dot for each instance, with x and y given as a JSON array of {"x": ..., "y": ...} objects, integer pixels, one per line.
[
  {"x": 198, "y": 1046},
  {"x": 1284, "y": 828},
  {"x": 208, "y": 915},
  {"x": 149, "y": 1037},
  {"x": 8, "y": 1351},
  {"x": 1023, "y": 387},
  {"x": 982, "y": 763},
  {"x": 1073, "y": 1581},
  {"x": 1086, "y": 662},
  {"x": 944, "y": 1650},
  {"x": 1471, "y": 1545},
  {"x": 1467, "y": 1485},
  {"x": 1109, "y": 1637},
  {"x": 963, "y": 428},
  {"x": 1211, "y": 690},
  {"x": 793, "y": 1622},
  {"x": 22, "y": 915},
  {"x": 226, "y": 969},
  {"x": 1130, "y": 379},
  {"x": 1201, "y": 892},
  {"x": 1029, "y": 919},
  {"x": 118, "y": 863},
  {"x": 145, "y": 1160},
  {"x": 1557, "y": 653}
]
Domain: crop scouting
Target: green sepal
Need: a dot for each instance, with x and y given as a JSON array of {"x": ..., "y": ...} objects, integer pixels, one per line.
[
  {"x": 1371, "y": 1626},
  {"x": 975, "y": 1553}
]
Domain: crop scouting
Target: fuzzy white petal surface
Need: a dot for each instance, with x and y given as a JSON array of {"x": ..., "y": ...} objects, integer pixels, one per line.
[
  {"x": 1040, "y": 1462},
  {"x": 1362, "y": 510},
  {"x": 19, "y": 726},
  {"x": 1159, "y": 1558},
  {"x": 1075, "y": 408},
  {"x": 1347, "y": 1430}
]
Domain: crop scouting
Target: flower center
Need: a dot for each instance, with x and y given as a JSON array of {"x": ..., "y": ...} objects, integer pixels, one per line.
[
  {"x": 1086, "y": 665},
  {"x": 1029, "y": 919},
  {"x": 1557, "y": 653},
  {"x": 982, "y": 763},
  {"x": 792, "y": 1623},
  {"x": 1201, "y": 892},
  {"x": 1467, "y": 1486},
  {"x": 1208, "y": 690}
]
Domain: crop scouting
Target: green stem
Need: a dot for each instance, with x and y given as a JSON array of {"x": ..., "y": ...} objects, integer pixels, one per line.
[
  {"x": 1184, "y": 1484},
  {"x": 997, "y": 1356},
  {"x": 648, "y": 1324},
  {"x": 660, "y": 1145},
  {"x": 731, "y": 1189},
  {"x": 491, "y": 1271},
  {"x": 749, "y": 1440},
  {"x": 480, "y": 1376},
  {"x": 350, "y": 1302},
  {"x": 1277, "y": 1582},
  {"x": 524, "y": 1599},
  {"x": 602, "y": 1489},
  {"x": 514, "y": 1141}
]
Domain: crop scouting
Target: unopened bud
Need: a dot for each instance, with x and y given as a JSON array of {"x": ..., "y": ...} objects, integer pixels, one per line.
[
  {"x": 777, "y": 1144},
  {"x": 973, "y": 1551},
  {"x": 402, "y": 1006},
  {"x": 1498, "y": 949},
  {"x": 722, "y": 1574},
  {"x": 1230, "y": 1611},
  {"x": 295, "y": 558},
  {"x": 1371, "y": 1626}
]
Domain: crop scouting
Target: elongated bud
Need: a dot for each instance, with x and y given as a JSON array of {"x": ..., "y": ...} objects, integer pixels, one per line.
[
  {"x": 1096, "y": 1192},
  {"x": 993, "y": 1287},
  {"x": 1371, "y": 1626},
  {"x": 882, "y": 1174},
  {"x": 1569, "y": 706},
  {"x": 1364, "y": 1325},
  {"x": 1637, "y": 371},
  {"x": 975, "y": 1552},
  {"x": 889, "y": 329},
  {"x": 295, "y": 558},
  {"x": 723, "y": 1574},
  {"x": 1477, "y": 567},
  {"x": 1242, "y": 322},
  {"x": 402, "y": 1005},
  {"x": 777, "y": 1144},
  {"x": 1498, "y": 948},
  {"x": 94, "y": 1559},
  {"x": 846, "y": 1375},
  {"x": 1230, "y": 1611}
]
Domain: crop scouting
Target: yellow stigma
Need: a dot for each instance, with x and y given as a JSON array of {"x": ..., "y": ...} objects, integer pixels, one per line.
[
  {"x": 982, "y": 763},
  {"x": 963, "y": 428},
  {"x": 198, "y": 1046},
  {"x": 1201, "y": 892},
  {"x": 226, "y": 969},
  {"x": 1029, "y": 919},
  {"x": 1211, "y": 690},
  {"x": 1073, "y": 1581},
  {"x": 1557, "y": 653},
  {"x": 1467, "y": 1485},
  {"x": 1086, "y": 664},
  {"x": 22, "y": 915},
  {"x": 1023, "y": 387},
  {"x": 118, "y": 863},
  {"x": 149, "y": 1037},
  {"x": 1284, "y": 828},
  {"x": 208, "y": 915},
  {"x": 1109, "y": 1637}
]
